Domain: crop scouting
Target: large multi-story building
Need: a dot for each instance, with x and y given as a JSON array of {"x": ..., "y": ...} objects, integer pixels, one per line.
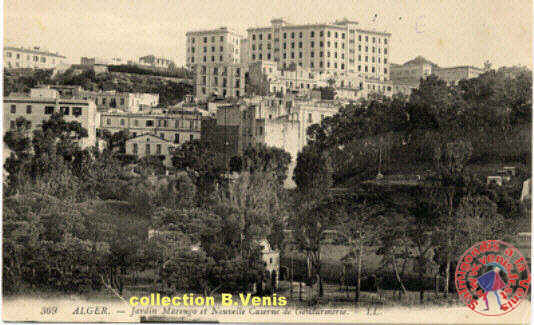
[
  {"x": 177, "y": 126},
  {"x": 341, "y": 46},
  {"x": 220, "y": 79},
  {"x": 35, "y": 58},
  {"x": 108, "y": 100},
  {"x": 220, "y": 45},
  {"x": 272, "y": 121},
  {"x": 43, "y": 102},
  {"x": 413, "y": 70}
]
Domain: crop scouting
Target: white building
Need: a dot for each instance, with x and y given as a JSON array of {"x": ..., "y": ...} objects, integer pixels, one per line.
[
  {"x": 151, "y": 145},
  {"x": 342, "y": 46},
  {"x": 35, "y": 58},
  {"x": 177, "y": 127},
  {"x": 43, "y": 102},
  {"x": 220, "y": 45}
]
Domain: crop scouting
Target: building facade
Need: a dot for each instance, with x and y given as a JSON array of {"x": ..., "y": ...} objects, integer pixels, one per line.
[
  {"x": 341, "y": 46},
  {"x": 154, "y": 62},
  {"x": 271, "y": 121},
  {"x": 220, "y": 79},
  {"x": 411, "y": 72},
  {"x": 150, "y": 145},
  {"x": 109, "y": 100},
  {"x": 455, "y": 74},
  {"x": 215, "y": 46},
  {"x": 176, "y": 127},
  {"x": 34, "y": 58},
  {"x": 43, "y": 102}
]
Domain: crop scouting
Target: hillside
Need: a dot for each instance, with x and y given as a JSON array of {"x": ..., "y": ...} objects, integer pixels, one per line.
[{"x": 171, "y": 90}]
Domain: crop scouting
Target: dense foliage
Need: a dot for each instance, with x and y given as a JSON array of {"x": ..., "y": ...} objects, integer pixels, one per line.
[{"x": 170, "y": 91}]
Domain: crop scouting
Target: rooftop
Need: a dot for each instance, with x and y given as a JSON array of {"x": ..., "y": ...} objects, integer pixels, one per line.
[{"x": 34, "y": 50}]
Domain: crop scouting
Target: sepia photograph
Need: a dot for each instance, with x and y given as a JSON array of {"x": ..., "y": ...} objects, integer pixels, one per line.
[{"x": 263, "y": 161}]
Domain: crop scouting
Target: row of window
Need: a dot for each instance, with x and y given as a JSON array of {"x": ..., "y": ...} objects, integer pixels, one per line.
[
  {"x": 224, "y": 92},
  {"x": 321, "y": 34},
  {"x": 49, "y": 110},
  {"x": 224, "y": 82},
  {"x": 224, "y": 71},
  {"x": 18, "y": 56},
  {"x": 312, "y": 55},
  {"x": 321, "y": 44},
  {"x": 148, "y": 151},
  {"x": 204, "y": 59},
  {"x": 112, "y": 102},
  {"x": 191, "y": 124},
  {"x": 300, "y": 34},
  {"x": 205, "y": 39}
]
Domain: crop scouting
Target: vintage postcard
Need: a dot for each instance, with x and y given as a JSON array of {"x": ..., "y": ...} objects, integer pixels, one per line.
[{"x": 267, "y": 161}]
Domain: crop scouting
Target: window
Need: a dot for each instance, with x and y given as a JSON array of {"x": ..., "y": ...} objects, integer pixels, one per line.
[
  {"x": 28, "y": 109},
  {"x": 108, "y": 121},
  {"x": 191, "y": 137},
  {"x": 261, "y": 36},
  {"x": 385, "y": 70},
  {"x": 122, "y": 122},
  {"x": 134, "y": 148},
  {"x": 312, "y": 43},
  {"x": 253, "y": 37},
  {"x": 385, "y": 51},
  {"x": 76, "y": 111},
  {"x": 64, "y": 110},
  {"x": 292, "y": 35},
  {"x": 310, "y": 119},
  {"x": 147, "y": 149},
  {"x": 13, "y": 109},
  {"x": 222, "y": 38},
  {"x": 385, "y": 40},
  {"x": 328, "y": 34},
  {"x": 285, "y": 35},
  {"x": 122, "y": 101},
  {"x": 300, "y": 34},
  {"x": 367, "y": 38},
  {"x": 149, "y": 123},
  {"x": 49, "y": 110},
  {"x": 12, "y": 124}
]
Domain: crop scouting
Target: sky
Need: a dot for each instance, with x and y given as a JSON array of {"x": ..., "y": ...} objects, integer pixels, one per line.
[{"x": 447, "y": 32}]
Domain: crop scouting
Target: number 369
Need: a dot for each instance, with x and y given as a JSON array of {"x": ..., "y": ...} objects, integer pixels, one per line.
[{"x": 51, "y": 310}]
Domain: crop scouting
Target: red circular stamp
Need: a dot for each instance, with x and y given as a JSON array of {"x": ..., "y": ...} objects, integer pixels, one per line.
[{"x": 492, "y": 278}]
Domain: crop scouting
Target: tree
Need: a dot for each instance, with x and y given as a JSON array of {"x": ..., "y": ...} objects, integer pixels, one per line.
[
  {"x": 450, "y": 160},
  {"x": 314, "y": 214},
  {"x": 205, "y": 164},
  {"x": 358, "y": 225},
  {"x": 263, "y": 159}
]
